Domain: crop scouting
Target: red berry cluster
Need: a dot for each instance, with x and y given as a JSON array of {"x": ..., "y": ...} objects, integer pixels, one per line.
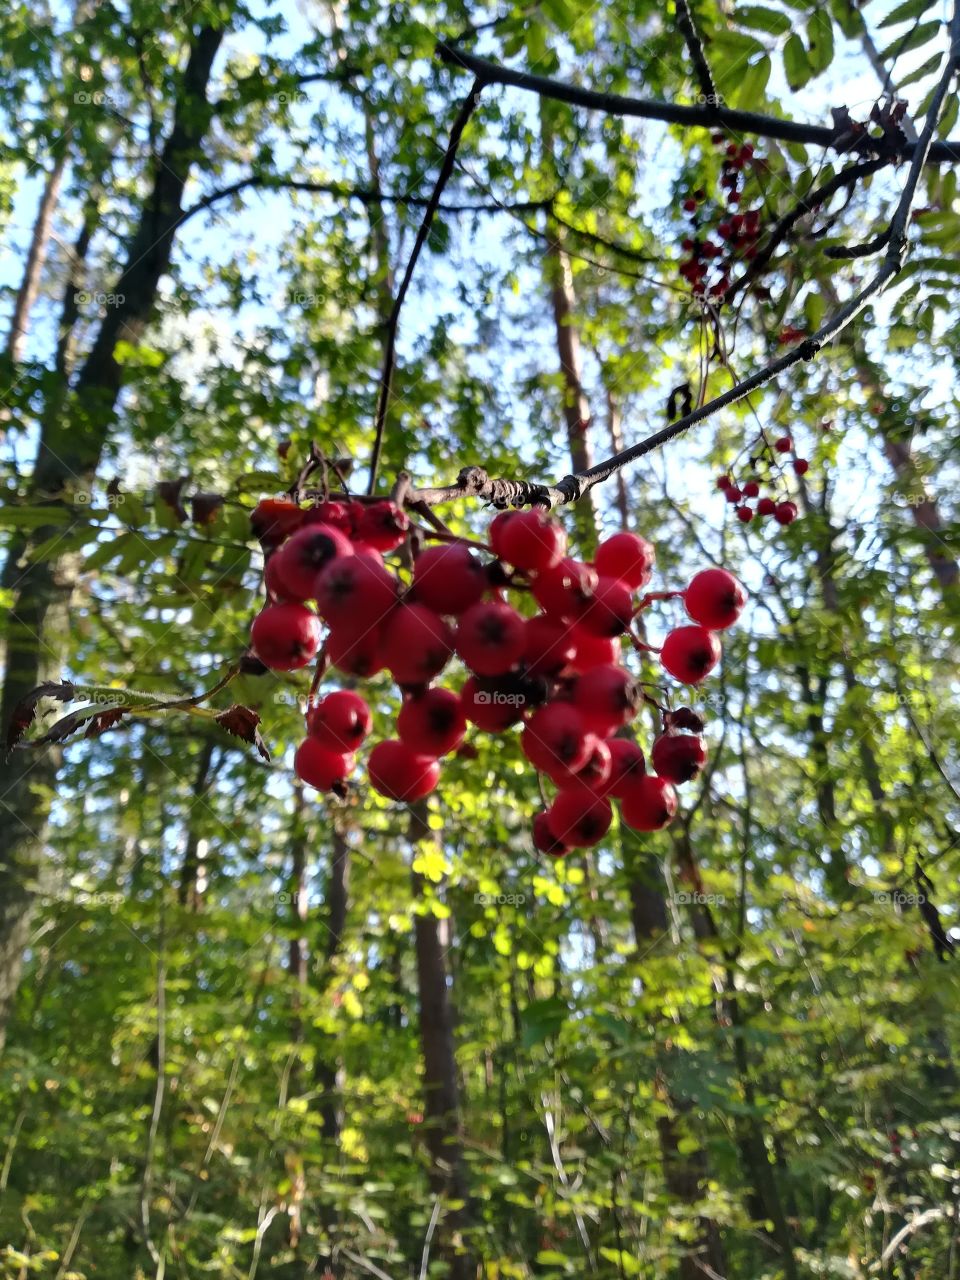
[
  {"x": 558, "y": 670},
  {"x": 736, "y": 232},
  {"x": 784, "y": 512}
]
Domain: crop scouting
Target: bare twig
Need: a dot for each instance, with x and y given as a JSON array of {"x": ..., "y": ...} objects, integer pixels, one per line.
[
  {"x": 688, "y": 29},
  {"x": 467, "y": 109}
]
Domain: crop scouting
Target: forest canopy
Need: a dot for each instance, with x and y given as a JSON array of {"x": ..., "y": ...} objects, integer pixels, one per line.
[{"x": 480, "y": 572}]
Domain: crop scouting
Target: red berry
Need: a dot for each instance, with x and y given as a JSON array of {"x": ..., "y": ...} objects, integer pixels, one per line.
[
  {"x": 678, "y": 757},
  {"x": 689, "y": 654},
  {"x": 491, "y": 638},
  {"x": 578, "y": 817},
  {"x": 593, "y": 651},
  {"x": 495, "y": 533},
  {"x": 744, "y": 514},
  {"x": 606, "y": 697},
  {"x": 545, "y": 840},
  {"x": 751, "y": 489},
  {"x": 418, "y": 644},
  {"x": 626, "y": 765},
  {"x": 275, "y": 588},
  {"x": 433, "y": 723},
  {"x": 801, "y": 466},
  {"x": 355, "y": 591},
  {"x": 610, "y": 612},
  {"x": 786, "y": 512},
  {"x": 733, "y": 494},
  {"x": 275, "y": 519},
  {"x": 715, "y": 599},
  {"x": 566, "y": 590},
  {"x": 399, "y": 773},
  {"x": 533, "y": 542},
  {"x": 302, "y": 556},
  {"x": 549, "y": 645},
  {"x": 724, "y": 482},
  {"x": 766, "y": 507},
  {"x": 626, "y": 556},
  {"x": 338, "y": 514},
  {"x": 595, "y": 774},
  {"x": 285, "y": 636},
  {"x": 555, "y": 739},
  {"x": 340, "y": 721},
  {"x": 449, "y": 578},
  {"x": 382, "y": 525},
  {"x": 357, "y": 651},
  {"x": 690, "y": 206},
  {"x": 318, "y": 766},
  {"x": 783, "y": 445},
  {"x": 649, "y": 803},
  {"x": 492, "y": 708}
]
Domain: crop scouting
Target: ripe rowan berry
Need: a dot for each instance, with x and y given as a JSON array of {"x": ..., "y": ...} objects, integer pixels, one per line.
[
  {"x": 627, "y": 557},
  {"x": 578, "y": 817},
  {"x": 766, "y": 507},
  {"x": 285, "y": 636},
  {"x": 382, "y": 525},
  {"x": 399, "y": 773},
  {"x": 555, "y": 738},
  {"x": 495, "y": 533},
  {"x": 678, "y": 757},
  {"x": 733, "y": 494},
  {"x": 491, "y": 638},
  {"x": 751, "y": 489},
  {"x": 448, "y": 578},
  {"x": 606, "y": 697},
  {"x": 593, "y": 651},
  {"x": 274, "y": 519},
  {"x": 627, "y": 763},
  {"x": 783, "y": 445},
  {"x": 715, "y": 599},
  {"x": 276, "y": 591},
  {"x": 355, "y": 591},
  {"x": 418, "y": 643},
  {"x": 531, "y": 541},
  {"x": 318, "y": 766},
  {"x": 689, "y": 654},
  {"x": 744, "y": 514},
  {"x": 785, "y": 512},
  {"x": 340, "y": 721},
  {"x": 649, "y": 803},
  {"x": 801, "y": 466},
  {"x": 493, "y": 704},
  {"x": 549, "y": 645},
  {"x": 357, "y": 651},
  {"x": 545, "y": 840},
  {"x": 566, "y": 590},
  {"x": 338, "y": 514},
  {"x": 610, "y": 611},
  {"x": 302, "y": 556},
  {"x": 432, "y": 723}
]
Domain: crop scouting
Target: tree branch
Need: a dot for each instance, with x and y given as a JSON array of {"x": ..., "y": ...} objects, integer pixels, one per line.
[
  {"x": 688, "y": 29},
  {"x": 467, "y": 109},
  {"x": 705, "y": 116}
]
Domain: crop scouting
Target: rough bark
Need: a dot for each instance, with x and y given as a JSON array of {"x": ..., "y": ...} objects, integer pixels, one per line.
[{"x": 73, "y": 433}]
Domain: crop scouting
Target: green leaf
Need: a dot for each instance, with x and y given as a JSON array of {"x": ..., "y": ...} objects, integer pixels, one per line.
[
  {"x": 903, "y": 12},
  {"x": 751, "y": 88},
  {"x": 926, "y": 69},
  {"x": 847, "y": 18},
  {"x": 15, "y": 517},
  {"x": 796, "y": 64},
  {"x": 820, "y": 40},
  {"x": 914, "y": 39},
  {"x": 759, "y": 18}
]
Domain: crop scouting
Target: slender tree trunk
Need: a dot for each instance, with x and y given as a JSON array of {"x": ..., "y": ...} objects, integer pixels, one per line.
[
  {"x": 190, "y": 866},
  {"x": 36, "y": 259},
  {"x": 74, "y": 430},
  {"x": 338, "y": 883},
  {"x": 442, "y": 1102}
]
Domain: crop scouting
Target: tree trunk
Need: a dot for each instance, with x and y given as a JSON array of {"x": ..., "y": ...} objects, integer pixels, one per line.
[
  {"x": 36, "y": 258},
  {"x": 74, "y": 430},
  {"x": 442, "y": 1105}
]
